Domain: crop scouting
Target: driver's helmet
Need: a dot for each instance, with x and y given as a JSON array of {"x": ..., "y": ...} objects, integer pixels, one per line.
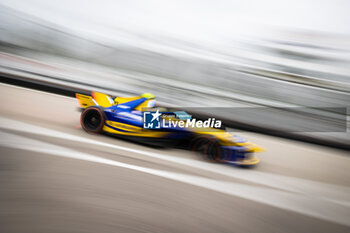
[{"x": 148, "y": 95}]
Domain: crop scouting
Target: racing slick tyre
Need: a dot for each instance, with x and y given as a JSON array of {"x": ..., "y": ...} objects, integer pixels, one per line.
[
  {"x": 197, "y": 144},
  {"x": 93, "y": 119},
  {"x": 208, "y": 146},
  {"x": 213, "y": 150}
]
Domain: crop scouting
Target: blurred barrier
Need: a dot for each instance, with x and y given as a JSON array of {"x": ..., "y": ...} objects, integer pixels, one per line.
[{"x": 263, "y": 73}]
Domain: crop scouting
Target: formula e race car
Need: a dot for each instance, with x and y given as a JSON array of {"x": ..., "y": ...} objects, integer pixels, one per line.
[{"x": 137, "y": 118}]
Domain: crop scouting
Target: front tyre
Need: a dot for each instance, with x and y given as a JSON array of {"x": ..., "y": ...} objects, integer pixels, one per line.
[
  {"x": 208, "y": 146},
  {"x": 213, "y": 150},
  {"x": 92, "y": 119}
]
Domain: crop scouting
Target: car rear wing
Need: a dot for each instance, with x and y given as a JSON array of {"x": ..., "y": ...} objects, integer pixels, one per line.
[{"x": 84, "y": 100}]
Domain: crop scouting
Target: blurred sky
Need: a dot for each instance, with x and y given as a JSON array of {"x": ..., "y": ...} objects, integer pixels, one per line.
[{"x": 212, "y": 21}]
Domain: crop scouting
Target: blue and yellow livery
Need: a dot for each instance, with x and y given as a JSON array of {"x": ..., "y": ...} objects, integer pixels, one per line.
[{"x": 123, "y": 117}]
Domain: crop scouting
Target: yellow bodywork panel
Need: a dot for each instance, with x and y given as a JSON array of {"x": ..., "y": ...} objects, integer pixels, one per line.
[
  {"x": 227, "y": 139},
  {"x": 125, "y": 127},
  {"x": 145, "y": 104},
  {"x": 101, "y": 99},
  {"x": 121, "y": 100},
  {"x": 105, "y": 100},
  {"x": 84, "y": 100}
]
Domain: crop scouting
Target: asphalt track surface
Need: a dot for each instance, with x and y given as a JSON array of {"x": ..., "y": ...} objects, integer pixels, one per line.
[{"x": 57, "y": 178}]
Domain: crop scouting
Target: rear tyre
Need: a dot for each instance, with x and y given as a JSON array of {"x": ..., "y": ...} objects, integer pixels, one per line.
[{"x": 92, "y": 119}]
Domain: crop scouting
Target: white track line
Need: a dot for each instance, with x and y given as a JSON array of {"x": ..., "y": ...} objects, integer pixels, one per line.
[
  {"x": 289, "y": 201},
  {"x": 330, "y": 192}
]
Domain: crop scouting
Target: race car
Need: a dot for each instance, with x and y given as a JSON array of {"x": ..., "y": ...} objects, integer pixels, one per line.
[{"x": 125, "y": 117}]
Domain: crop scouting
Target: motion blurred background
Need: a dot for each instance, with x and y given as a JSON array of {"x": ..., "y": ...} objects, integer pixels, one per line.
[
  {"x": 194, "y": 53},
  {"x": 191, "y": 53},
  {"x": 234, "y": 49}
]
